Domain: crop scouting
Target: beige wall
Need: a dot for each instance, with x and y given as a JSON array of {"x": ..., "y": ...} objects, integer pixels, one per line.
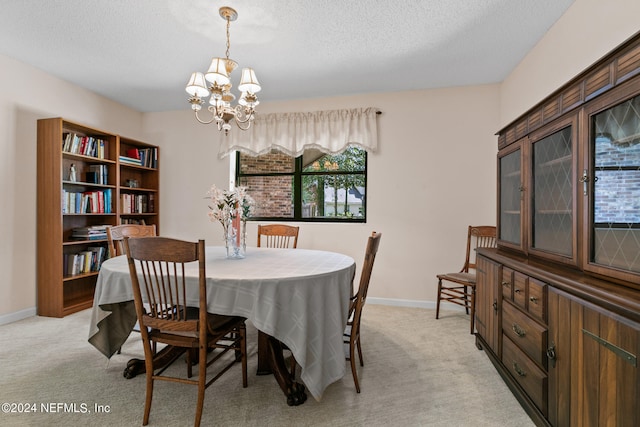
[
  {"x": 26, "y": 95},
  {"x": 434, "y": 146},
  {"x": 433, "y": 175},
  {"x": 586, "y": 32}
]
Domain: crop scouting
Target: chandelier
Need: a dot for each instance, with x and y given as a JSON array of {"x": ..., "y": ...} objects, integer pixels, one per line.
[{"x": 216, "y": 82}]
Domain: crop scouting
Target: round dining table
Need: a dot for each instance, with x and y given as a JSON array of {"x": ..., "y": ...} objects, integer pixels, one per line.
[{"x": 297, "y": 297}]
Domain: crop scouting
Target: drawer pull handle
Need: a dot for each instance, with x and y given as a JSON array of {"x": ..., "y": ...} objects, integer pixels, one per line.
[
  {"x": 533, "y": 300},
  {"x": 519, "y": 370},
  {"x": 506, "y": 284},
  {"x": 517, "y": 291},
  {"x": 551, "y": 354},
  {"x": 518, "y": 330}
]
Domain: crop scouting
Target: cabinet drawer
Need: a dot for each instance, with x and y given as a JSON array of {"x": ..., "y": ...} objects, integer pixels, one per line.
[
  {"x": 520, "y": 289},
  {"x": 507, "y": 283},
  {"x": 529, "y": 335},
  {"x": 531, "y": 378},
  {"x": 537, "y": 299}
]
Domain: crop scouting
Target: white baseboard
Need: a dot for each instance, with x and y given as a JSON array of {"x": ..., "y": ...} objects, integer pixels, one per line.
[
  {"x": 18, "y": 315},
  {"x": 414, "y": 303}
]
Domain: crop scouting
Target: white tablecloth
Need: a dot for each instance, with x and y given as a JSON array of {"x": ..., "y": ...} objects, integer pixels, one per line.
[{"x": 298, "y": 296}]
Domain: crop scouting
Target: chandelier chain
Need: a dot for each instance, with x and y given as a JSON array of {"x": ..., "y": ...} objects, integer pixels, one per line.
[{"x": 228, "y": 36}]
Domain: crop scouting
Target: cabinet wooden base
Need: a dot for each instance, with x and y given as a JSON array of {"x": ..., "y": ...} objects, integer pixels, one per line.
[{"x": 527, "y": 404}]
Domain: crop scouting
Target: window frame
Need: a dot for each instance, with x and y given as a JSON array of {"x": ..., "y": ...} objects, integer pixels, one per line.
[{"x": 298, "y": 175}]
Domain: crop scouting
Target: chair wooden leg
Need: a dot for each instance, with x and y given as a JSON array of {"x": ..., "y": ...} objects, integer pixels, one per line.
[
  {"x": 473, "y": 309},
  {"x": 359, "y": 350},
  {"x": 202, "y": 380},
  {"x": 189, "y": 364},
  {"x": 466, "y": 300},
  {"x": 243, "y": 352},
  {"x": 438, "y": 299},
  {"x": 353, "y": 364},
  {"x": 149, "y": 392}
]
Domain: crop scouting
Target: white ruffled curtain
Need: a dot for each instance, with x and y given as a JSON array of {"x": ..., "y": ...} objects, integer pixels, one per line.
[{"x": 328, "y": 131}]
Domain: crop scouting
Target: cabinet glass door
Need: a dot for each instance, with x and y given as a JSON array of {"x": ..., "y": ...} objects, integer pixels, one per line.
[
  {"x": 614, "y": 225},
  {"x": 552, "y": 205},
  {"x": 511, "y": 200}
]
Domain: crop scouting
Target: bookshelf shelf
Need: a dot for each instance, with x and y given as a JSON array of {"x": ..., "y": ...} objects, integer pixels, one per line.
[
  {"x": 80, "y": 188},
  {"x": 79, "y": 276}
]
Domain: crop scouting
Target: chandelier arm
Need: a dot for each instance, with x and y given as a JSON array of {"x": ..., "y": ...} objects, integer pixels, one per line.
[
  {"x": 215, "y": 116},
  {"x": 240, "y": 123},
  {"x": 242, "y": 115}
]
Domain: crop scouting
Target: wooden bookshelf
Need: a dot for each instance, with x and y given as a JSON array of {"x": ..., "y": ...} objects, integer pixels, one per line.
[{"x": 88, "y": 200}]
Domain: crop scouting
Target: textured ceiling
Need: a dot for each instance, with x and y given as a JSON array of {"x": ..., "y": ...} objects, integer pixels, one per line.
[{"x": 142, "y": 52}]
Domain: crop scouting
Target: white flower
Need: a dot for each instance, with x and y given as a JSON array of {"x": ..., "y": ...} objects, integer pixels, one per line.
[{"x": 228, "y": 204}]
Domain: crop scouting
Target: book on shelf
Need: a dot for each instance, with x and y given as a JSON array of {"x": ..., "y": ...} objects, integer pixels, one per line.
[
  {"x": 93, "y": 232},
  {"x": 134, "y": 153},
  {"x": 130, "y": 161},
  {"x": 93, "y": 236},
  {"x": 101, "y": 173},
  {"x": 98, "y": 256}
]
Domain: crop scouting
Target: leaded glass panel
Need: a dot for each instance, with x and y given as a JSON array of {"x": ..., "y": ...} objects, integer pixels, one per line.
[
  {"x": 552, "y": 221},
  {"x": 510, "y": 197},
  {"x": 615, "y": 221}
]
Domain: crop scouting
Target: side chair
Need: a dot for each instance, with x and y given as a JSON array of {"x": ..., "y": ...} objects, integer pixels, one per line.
[
  {"x": 460, "y": 288},
  {"x": 352, "y": 331},
  {"x": 115, "y": 242},
  {"x": 351, "y": 334},
  {"x": 117, "y": 233},
  {"x": 278, "y": 236},
  {"x": 283, "y": 237},
  {"x": 157, "y": 269}
]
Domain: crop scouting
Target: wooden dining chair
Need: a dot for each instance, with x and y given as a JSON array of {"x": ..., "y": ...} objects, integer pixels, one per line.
[
  {"x": 157, "y": 270},
  {"x": 356, "y": 303},
  {"x": 460, "y": 288},
  {"x": 115, "y": 241},
  {"x": 117, "y": 233},
  {"x": 277, "y": 236},
  {"x": 352, "y": 331}
]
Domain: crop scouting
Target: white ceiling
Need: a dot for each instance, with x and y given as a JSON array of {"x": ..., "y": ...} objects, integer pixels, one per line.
[{"x": 142, "y": 52}]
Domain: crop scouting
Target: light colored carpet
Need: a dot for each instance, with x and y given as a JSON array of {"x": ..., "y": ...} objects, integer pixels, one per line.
[{"x": 418, "y": 372}]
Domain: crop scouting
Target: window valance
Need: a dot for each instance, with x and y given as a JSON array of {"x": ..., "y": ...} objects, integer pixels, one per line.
[{"x": 292, "y": 133}]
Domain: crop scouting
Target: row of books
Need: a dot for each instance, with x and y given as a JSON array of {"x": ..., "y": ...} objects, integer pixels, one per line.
[
  {"x": 84, "y": 145},
  {"x": 98, "y": 201},
  {"x": 85, "y": 261},
  {"x": 137, "y": 203},
  {"x": 147, "y": 157},
  {"x": 92, "y": 232}
]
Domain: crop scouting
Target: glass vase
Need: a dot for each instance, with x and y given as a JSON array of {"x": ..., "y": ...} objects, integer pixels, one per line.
[{"x": 235, "y": 239}]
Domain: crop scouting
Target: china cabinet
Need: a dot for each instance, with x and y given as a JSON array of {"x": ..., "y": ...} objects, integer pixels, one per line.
[{"x": 558, "y": 306}]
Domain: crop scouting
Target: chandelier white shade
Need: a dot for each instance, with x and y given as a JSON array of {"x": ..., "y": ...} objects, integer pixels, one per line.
[{"x": 216, "y": 83}]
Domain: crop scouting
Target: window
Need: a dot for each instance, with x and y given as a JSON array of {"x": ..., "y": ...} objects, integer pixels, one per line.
[{"x": 312, "y": 187}]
